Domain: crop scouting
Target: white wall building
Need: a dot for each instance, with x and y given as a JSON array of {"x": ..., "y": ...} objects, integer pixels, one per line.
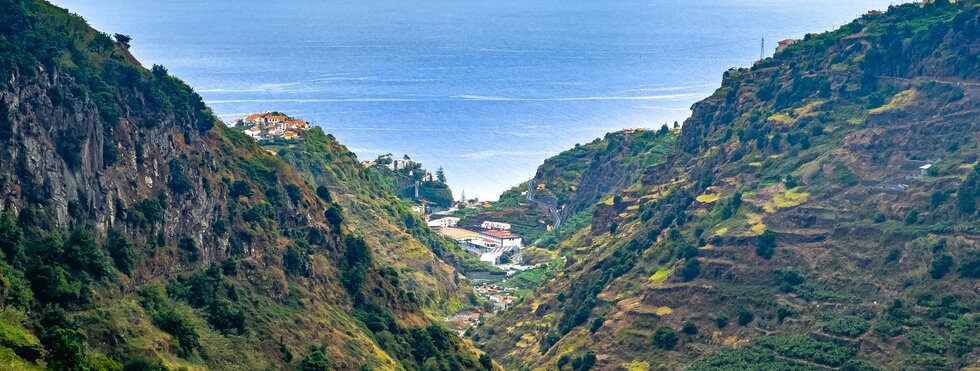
[
  {"x": 444, "y": 222},
  {"x": 504, "y": 238},
  {"x": 495, "y": 225}
]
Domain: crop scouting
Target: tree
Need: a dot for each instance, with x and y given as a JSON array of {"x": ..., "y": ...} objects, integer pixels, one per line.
[
  {"x": 597, "y": 323},
  {"x": 745, "y": 317},
  {"x": 970, "y": 267},
  {"x": 721, "y": 321},
  {"x": 912, "y": 217},
  {"x": 316, "y": 360},
  {"x": 691, "y": 269},
  {"x": 689, "y": 328},
  {"x": 940, "y": 266},
  {"x": 664, "y": 338},
  {"x": 766, "y": 245},
  {"x": 121, "y": 251},
  {"x": 486, "y": 362},
  {"x": 441, "y": 175},
  {"x": 66, "y": 349},
  {"x": 123, "y": 39}
]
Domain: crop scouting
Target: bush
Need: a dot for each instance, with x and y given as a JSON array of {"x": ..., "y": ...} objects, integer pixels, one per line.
[
  {"x": 766, "y": 245},
  {"x": 691, "y": 270},
  {"x": 850, "y": 326},
  {"x": 689, "y": 328},
  {"x": 664, "y": 338},
  {"x": 66, "y": 349},
  {"x": 166, "y": 318},
  {"x": 584, "y": 362},
  {"x": 970, "y": 267},
  {"x": 721, "y": 321},
  {"x": 597, "y": 323},
  {"x": 225, "y": 318},
  {"x": 745, "y": 317},
  {"x": 240, "y": 188},
  {"x": 121, "y": 251},
  {"x": 940, "y": 266},
  {"x": 316, "y": 360},
  {"x": 178, "y": 182},
  {"x": 912, "y": 217}
]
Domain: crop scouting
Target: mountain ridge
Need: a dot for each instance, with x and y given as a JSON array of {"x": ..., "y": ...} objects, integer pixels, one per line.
[{"x": 817, "y": 210}]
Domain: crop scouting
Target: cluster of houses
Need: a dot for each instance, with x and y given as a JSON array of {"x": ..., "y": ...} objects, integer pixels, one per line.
[
  {"x": 272, "y": 125},
  {"x": 405, "y": 164},
  {"x": 490, "y": 242}
]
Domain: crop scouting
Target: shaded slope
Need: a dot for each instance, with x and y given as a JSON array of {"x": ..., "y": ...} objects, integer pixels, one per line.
[{"x": 137, "y": 229}]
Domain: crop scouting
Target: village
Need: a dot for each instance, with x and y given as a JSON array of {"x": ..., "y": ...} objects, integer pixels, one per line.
[{"x": 267, "y": 126}]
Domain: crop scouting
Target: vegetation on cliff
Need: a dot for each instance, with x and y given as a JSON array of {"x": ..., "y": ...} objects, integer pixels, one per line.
[
  {"x": 818, "y": 210},
  {"x": 136, "y": 231}
]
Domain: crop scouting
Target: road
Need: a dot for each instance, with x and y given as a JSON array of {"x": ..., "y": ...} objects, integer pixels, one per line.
[{"x": 552, "y": 210}]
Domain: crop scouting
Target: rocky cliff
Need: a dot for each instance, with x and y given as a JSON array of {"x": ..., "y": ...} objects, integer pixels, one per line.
[{"x": 139, "y": 231}]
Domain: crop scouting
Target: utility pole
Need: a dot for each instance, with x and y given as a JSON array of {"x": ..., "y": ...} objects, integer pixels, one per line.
[{"x": 762, "y": 50}]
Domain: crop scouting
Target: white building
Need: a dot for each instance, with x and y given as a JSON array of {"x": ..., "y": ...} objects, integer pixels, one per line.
[
  {"x": 495, "y": 225},
  {"x": 253, "y": 132},
  {"x": 505, "y": 239},
  {"x": 444, "y": 222}
]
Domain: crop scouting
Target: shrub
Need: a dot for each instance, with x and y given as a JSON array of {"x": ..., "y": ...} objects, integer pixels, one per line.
[
  {"x": 178, "y": 182},
  {"x": 912, "y": 217},
  {"x": 121, "y": 251},
  {"x": 664, "y": 338},
  {"x": 745, "y": 317},
  {"x": 334, "y": 215},
  {"x": 970, "y": 267},
  {"x": 225, "y": 318},
  {"x": 766, "y": 245},
  {"x": 691, "y": 270},
  {"x": 316, "y": 360},
  {"x": 166, "y": 318},
  {"x": 240, "y": 188},
  {"x": 721, "y": 321},
  {"x": 689, "y": 328},
  {"x": 940, "y": 266},
  {"x": 66, "y": 348},
  {"x": 850, "y": 326},
  {"x": 584, "y": 362},
  {"x": 597, "y": 323},
  {"x": 486, "y": 362}
]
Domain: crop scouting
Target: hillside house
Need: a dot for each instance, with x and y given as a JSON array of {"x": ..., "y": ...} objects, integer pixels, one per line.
[
  {"x": 289, "y": 134},
  {"x": 255, "y": 132},
  {"x": 495, "y": 225},
  {"x": 783, "y": 44}
]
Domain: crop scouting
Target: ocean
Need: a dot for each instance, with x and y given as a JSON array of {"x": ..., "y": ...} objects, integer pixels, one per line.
[{"x": 485, "y": 89}]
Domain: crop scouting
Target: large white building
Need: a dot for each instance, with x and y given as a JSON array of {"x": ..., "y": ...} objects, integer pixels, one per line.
[
  {"x": 443, "y": 222},
  {"x": 505, "y": 239}
]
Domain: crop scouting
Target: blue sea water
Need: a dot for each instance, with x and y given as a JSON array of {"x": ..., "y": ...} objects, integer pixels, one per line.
[{"x": 486, "y": 89}]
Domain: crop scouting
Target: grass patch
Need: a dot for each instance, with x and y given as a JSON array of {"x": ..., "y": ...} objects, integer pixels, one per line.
[
  {"x": 900, "y": 100},
  {"x": 707, "y": 198},
  {"x": 661, "y": 274}
]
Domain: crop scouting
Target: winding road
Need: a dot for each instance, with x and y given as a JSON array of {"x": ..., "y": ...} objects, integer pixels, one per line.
[{"x": 552, "y": 210}]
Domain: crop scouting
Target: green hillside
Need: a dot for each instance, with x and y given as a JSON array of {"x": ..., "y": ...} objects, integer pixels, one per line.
[
  {"x": 137, "y": 231},
  {"x": 819, "y": 210}
]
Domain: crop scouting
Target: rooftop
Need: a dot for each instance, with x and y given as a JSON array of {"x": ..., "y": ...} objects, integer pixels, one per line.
[
  {"x": 456, "y": 233},
  {"x": 500, "y": 234}
]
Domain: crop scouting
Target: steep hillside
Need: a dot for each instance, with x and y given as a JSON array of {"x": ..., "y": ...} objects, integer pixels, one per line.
[
  {"x": 374, "y": 211},
  {"x": 137, "y": 230},
  {"x": 819, "y": 210},
  {"x": 573, "y": 181}
]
